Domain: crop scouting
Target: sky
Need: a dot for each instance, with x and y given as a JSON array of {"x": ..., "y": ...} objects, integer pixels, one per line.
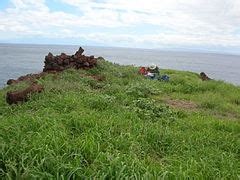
[{"x": 198, "y": 25}]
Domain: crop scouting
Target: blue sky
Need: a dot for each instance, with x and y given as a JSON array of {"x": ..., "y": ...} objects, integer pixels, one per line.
[{"x": 199, "y": 25}]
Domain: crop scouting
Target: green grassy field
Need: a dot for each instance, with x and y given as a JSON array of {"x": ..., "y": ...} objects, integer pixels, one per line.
[{"x": 124, "y": 127}]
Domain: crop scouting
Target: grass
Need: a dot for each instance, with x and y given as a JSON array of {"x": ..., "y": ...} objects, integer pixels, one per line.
[{"x": 121, "y": 128}]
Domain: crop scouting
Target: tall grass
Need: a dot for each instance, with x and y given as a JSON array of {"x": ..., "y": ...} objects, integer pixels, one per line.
[{"x": 82, "y": 128}]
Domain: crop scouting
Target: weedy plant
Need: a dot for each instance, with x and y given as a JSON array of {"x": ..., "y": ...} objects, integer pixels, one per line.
[{"x": 148, "y": 109}]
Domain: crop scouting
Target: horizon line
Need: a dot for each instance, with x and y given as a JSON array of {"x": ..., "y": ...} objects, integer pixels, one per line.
[{"x": 184, "y": 50}]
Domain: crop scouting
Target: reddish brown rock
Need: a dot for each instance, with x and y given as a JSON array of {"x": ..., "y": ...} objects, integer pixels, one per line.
[
  {"x": 204, "y": 77},
  {"x": 50, "y": 56},
  {"x": 80, "y": 51},
  {"x": 29, "y": 77},
  {"x": 60, "y": 63},
  {"x": 64, "y": 61},
  {"x": 63, "y": 56},
  {"x": 22, "y": 96}
]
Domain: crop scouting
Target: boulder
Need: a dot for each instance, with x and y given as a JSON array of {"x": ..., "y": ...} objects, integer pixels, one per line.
[
  {"x": 64, "y": 61},
  {"x": 204, "y": 77},
  {"x": 23, "y": 95},
  {"x": 11, "y": 81}
]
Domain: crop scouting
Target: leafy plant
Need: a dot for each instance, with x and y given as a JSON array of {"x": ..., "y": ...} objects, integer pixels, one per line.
[{"x": 149, "y": 110}]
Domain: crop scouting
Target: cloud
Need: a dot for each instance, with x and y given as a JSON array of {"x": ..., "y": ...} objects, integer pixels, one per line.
[
  {"x": 29, "y": 4},
  {"x": 182, "y": 15},
  {"x": 153, "y": 22}
]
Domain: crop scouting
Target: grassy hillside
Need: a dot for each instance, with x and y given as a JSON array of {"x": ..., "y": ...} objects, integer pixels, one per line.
[{"x": 124, "y": 127}]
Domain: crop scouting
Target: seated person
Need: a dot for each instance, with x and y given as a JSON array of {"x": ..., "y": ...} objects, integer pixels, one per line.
[{"x": 153, "y": 71}]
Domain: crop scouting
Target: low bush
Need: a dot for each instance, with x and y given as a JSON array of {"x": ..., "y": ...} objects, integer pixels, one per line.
[{"x": 148, "y": 109}]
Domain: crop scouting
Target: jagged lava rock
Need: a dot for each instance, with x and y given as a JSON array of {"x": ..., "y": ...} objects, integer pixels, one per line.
[
  {"x": 22, "y": 96},
  {"x": 64, "y": 61}
]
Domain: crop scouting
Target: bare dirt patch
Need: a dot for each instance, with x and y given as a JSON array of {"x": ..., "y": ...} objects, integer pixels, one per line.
[{"x": 182, "y": 104}]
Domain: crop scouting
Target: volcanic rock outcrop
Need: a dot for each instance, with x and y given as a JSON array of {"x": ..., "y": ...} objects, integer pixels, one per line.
[
  {"x": 64, "y": 61},
  {"x": 29, "y": 77},
  {"x": 52, "y": 64},
  {"x": 22, "y": 96}
]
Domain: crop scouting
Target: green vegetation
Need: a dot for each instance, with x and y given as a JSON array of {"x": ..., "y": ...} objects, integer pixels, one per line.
[{"x": 122, "y": 127}]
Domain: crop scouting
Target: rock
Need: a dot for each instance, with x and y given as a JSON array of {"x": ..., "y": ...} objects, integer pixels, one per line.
[
  {"x": 22, "y": 96},
  {"x": 63, "y": 56},
  {"x": 204, "y": 77},
  {"x": 49, "y": 57},
  {"x": 11, "y": 81},
  {"x": 80, "y": 50},
  {"x": 60, "y": 63},
  {"x": 28, "y": 77},
  {"x": 64, "y": 61}
]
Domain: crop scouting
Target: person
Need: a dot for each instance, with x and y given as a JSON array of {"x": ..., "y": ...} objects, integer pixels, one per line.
[
  {"x": 143, "y": 71},
  {"x": 153, "y": 69},
  {"x": 153, "y": 72}
]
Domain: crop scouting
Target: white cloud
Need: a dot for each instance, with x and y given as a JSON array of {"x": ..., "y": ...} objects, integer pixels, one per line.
[
  {"x": 163, "y": 39},
  {"x": 30, "y": 4},
  {"x": 176, "y": 22},
  {"x": 214, "y": 15}
]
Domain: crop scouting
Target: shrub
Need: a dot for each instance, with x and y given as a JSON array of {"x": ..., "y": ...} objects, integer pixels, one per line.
[{"x": 149, "y": 110}]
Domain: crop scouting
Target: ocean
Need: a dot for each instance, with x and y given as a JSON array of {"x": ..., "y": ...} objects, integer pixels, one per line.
[{"x": 20, "y": 59}]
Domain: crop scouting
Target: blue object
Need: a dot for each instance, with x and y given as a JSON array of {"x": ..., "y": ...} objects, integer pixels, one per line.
[{"x": 165, "y": 78}]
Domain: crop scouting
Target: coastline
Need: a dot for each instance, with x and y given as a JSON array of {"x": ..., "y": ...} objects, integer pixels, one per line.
[{"x": 28, "y": 59}]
